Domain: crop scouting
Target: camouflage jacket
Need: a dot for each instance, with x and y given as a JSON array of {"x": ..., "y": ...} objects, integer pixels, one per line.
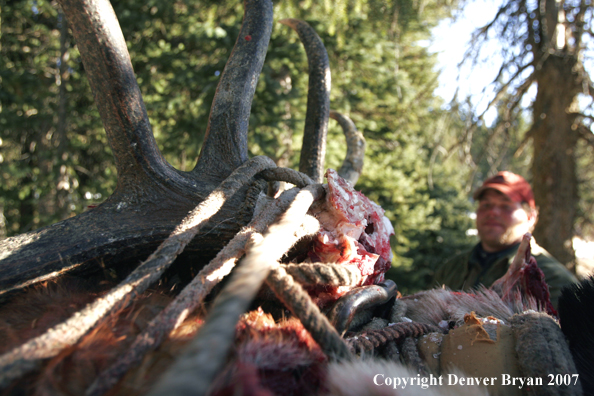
[{"x": 465, "y": 271}]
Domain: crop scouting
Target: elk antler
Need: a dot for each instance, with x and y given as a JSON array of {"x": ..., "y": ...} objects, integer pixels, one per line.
[
  {"x": 117, "y": 96},
  {"x": 151, "y": 197},
  {"x": 313, "y": 151},
  {"x": 225, "y": 144},
  {"x": 352, "y": 166}
]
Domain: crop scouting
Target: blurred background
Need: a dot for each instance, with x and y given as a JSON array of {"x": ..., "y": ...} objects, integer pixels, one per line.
[{"x": 445, "y": 92}]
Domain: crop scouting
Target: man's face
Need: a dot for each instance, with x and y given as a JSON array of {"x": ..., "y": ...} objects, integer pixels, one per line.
[{"x": 500, "y": 221}]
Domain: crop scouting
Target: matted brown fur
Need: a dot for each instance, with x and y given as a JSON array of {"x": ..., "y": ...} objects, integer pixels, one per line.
[
  {"x": 31, "y": 313},
  {"x": 362, "y": 378},
  {"x": 269, "y": 357},
  {"x": 282, "y": 356},
  {"x": 72, "y": 371}
]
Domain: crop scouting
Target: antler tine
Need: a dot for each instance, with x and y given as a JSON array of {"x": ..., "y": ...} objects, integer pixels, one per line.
[
  {"x": 117, "y": 95},
  {"x": 313, "y": 151},
  {"x": 225, "y": 144},
  {"x": 352, "y": 166}
]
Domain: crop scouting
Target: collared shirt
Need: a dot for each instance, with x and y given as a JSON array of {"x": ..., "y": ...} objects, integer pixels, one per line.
[{"x": 470, "y": 269}]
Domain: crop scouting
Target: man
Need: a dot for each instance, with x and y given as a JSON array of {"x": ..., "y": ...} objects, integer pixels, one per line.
[{"x": 505, "y": 212}]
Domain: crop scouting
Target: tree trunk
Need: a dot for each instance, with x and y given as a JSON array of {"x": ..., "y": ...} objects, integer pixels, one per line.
[{"x": 554, "y": 164}]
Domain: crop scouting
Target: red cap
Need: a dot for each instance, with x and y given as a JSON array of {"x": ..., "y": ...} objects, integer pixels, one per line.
[{"x": 510, "y": 184}]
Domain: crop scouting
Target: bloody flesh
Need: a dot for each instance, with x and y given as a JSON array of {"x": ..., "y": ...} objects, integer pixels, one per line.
[{"x": 354, "y": 231}]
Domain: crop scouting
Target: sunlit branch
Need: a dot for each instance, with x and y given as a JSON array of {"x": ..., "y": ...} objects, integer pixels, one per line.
[
  {"x": 579, "y": 25},
  {"x": 582, "y": 115},
  {"x": 481, "y": 35}
]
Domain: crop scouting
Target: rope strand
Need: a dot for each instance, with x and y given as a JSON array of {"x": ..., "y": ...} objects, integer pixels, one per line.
[
  {"x": 367, "y": 341},
  {"x": 193, "y": 372},
  {"x": 325, "y": 274},
  {"x": 301, "y": 305},
  {"x": 190, "y": 297},
  {"x": 22, "y": 359}
]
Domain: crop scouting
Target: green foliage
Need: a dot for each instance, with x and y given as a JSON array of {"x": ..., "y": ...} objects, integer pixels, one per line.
[
  {"x": 382, "y": 75},
  {"x": 43, "y": 167}
]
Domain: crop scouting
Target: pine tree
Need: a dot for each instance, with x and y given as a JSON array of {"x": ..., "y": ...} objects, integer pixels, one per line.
[
  {"x": 543, "y": 44},
  {"x": 383, "y": 79}
]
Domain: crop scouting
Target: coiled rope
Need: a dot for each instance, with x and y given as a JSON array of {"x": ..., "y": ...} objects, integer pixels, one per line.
[
  {"x": 367, "y": 341},
  {"x": 324, "y": 274}
]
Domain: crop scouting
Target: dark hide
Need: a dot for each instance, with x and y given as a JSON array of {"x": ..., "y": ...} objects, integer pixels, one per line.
[
  {"x": 576, "y": 315},
  {"x": 72, "y": 371}
]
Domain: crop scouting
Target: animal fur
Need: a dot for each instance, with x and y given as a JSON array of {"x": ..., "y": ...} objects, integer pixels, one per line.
[
  {"x": 270, "y": 357},
  {"x": 438, "y": 305},
  {"x": 357, "y": 378},
  {"x": 72, "y": 371}
]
